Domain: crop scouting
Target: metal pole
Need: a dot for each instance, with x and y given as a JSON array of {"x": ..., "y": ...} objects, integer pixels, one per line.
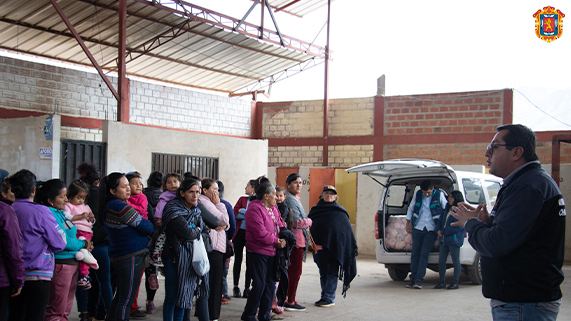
[
  {"x": 122, "y": 110},
  {"x": 326, "y": 98}
]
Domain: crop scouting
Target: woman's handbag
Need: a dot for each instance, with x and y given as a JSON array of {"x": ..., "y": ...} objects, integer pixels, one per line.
[
  {"x": 229, "y": 250},
  {"x": 200, "y": 262},
  {"x": 311, "y": 243}
]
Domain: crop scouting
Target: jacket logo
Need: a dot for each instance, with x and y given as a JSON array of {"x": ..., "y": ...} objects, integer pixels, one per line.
[{"x": 562, "y": 212}]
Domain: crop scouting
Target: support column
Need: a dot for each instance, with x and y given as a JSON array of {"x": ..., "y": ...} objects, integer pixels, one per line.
[
  {"x": 326, "y": 98},
  {"x": 379, "y": 128},
  {"x": 123, "y": 101}
]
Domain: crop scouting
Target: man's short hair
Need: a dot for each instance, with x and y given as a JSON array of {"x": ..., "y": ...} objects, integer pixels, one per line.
[
  {"x": 520, "y": 136},
  {"x": 426, "y": 185}
]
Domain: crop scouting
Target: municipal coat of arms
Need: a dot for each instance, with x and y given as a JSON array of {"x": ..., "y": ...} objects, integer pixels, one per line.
[{"x": 548, "y": 23}]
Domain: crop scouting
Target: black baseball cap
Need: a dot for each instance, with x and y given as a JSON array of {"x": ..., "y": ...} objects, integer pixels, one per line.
[{"x": 330, "y": 188}]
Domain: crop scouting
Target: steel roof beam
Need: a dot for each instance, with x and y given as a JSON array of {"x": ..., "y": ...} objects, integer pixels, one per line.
[
  {"x": 85, "y": 49},
  {"x": 248, "y": 29}
]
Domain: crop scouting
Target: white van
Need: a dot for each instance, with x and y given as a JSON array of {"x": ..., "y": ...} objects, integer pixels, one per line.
[{"x": 401, "y": 179}]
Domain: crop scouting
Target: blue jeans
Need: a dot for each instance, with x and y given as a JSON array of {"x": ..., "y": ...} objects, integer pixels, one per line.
[
  {"x": 263, "y": 272},
  {"x": 327, "y": 279},
  {"x": 170, "y": 310},
  {"x": 523, "y": 312},
  {"x": 422, "y": 243},
  {"x": 101, "y": 254},
  {"x": 225, "y": 281},
  {"x": 443, "y": 255},
  {"x": 129, "y": 272}
]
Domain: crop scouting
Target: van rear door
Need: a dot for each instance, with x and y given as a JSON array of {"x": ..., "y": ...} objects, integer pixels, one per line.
[{"x": 403, "y": 167}]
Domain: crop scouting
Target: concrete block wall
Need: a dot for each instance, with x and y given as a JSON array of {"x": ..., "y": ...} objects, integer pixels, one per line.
[
  {"x": 347, "y": 117},
  {"x": 38, "y": 87},
  {"x": 295, "y": 156},
  {"x": 446, "y": 113},
  {"x": 172, "y": 107},
  {"x": 350, "y": 155},
  {"x": 76, "y": 133}
]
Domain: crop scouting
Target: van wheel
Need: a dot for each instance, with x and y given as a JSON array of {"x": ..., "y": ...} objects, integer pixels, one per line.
[
  {"x": 475, "y": 272},
  {"x": 397, "y": 274}
]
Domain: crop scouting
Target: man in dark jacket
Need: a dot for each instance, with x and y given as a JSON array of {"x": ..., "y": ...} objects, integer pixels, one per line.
[
  {"x": 522, "y": 239},
  {"x": 336, "y": 244}
]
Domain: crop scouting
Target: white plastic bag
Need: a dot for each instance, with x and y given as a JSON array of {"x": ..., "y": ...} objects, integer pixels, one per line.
[{"x": 200, "y": 262}]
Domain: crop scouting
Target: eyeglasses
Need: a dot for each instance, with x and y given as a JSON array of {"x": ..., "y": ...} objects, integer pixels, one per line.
[{"x": 491, "y": 147}]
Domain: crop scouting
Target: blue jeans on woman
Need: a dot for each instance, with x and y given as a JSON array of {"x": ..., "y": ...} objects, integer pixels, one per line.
[
  {"x": 101, "y": 254},
  {"x": 326, "y": 264},
  {"x": 170, "y": 310},
  {"x": 443, "y": 255},
  {"x": 129, "y": 272}
]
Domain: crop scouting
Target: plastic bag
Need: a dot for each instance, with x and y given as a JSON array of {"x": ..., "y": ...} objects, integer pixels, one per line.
[{"x": 200, "y": 262}]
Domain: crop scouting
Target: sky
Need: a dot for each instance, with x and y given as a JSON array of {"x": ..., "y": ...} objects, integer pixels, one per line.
[{"x": 431, "y": 47}]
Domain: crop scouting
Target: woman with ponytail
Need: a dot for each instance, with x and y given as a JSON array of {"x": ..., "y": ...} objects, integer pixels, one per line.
[{"x": 128, "y": 234}]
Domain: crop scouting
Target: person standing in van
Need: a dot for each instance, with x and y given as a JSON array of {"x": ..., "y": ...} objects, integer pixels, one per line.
[
  {"x": 522, "y": 240},
  {"x": 422, "y": 219}
]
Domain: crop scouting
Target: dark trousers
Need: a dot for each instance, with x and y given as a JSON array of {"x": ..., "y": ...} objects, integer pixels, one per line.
[
  {"x": 129, "y": 272},
  {"x": 31, "y": 304},
  {"x": 216, "y": 260},
  {"x": 422, "y": 243},
  {"x": 5, "y": 293},
  {"x": 101, "y": 293},
  {"x": 263, "y": 286},
  {"x": 239, "y": 242}
]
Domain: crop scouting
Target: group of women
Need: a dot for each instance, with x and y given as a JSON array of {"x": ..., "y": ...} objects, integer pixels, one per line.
[{"x": 43, "y": 269}]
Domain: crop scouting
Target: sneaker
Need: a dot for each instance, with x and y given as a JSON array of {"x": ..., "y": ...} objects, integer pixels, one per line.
[
  {"x": 225, "y": 301},
  {"x": 453, "y": 286},
  {"x": 410, "y": 284},
  {"x": 293, "y": 307},
  {"x": 246, "y": 293},
  {"x": 150, "y": 308},
  {"x": 237, "y": 293},
  {"x": 440, "y": 285},
  {"x": 324, "y": 303},
  {"x": 153, "y": 282},
  {"x": 138, "y": 315},
  {"x": 417, "y": 286},
  {"x": 84, "y": 281}
]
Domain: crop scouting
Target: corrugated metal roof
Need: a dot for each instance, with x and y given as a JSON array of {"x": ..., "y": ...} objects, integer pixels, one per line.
[
  {"x": 163, "y": 43},
  {"x": 297, "y": 7}
]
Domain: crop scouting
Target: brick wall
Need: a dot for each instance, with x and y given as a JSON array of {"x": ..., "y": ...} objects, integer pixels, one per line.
[
  {"x": 452, "y": 154},
  {"x": 350, "y": 155},
  {"x": 448, "y": 113},
  {"x": 353, "y": 116},
  {"x": 33, "y": 86}
]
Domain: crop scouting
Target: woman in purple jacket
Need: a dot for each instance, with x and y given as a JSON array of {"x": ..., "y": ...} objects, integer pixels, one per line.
[
  {"x": 262, "y": 228},
  {"x": 11, "y": 255},
  {"x": 41, "y": 238}
]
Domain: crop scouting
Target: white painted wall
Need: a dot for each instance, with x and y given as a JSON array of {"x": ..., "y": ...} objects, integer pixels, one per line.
[
  {"x": 20, "y": 143},
  {"x": 129, "y": 147}
]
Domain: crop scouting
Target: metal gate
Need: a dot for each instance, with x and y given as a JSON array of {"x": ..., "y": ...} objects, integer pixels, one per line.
[
  {"x": 203, "y": 167},
  {"x": 74, "y": 152}
]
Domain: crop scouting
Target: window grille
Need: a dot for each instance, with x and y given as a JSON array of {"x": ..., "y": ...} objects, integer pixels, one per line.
[{"x": 203, "y": 167}]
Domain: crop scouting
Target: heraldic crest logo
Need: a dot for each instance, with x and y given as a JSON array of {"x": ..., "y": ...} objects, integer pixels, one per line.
[{"x": 548, "y": 23}]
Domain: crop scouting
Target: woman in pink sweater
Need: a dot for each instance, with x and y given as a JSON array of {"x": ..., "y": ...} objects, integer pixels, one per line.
[
  {"x": 211, "y": 200},
  {"x": 262, "y": 229}
]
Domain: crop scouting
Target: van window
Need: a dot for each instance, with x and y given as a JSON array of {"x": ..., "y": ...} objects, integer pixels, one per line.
[
  {"x": 395, "y": 195},
  {"x": 473, "y": 191},
  {"x": 493, "y": 189}
]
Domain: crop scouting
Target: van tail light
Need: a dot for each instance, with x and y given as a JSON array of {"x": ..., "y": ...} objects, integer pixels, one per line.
[
  {"x": 377, "y": 236},
  {"x": 465, "y": 235}
]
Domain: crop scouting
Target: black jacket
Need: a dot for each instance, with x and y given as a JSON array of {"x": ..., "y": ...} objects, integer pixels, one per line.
[{"x": 523, "y": 243}]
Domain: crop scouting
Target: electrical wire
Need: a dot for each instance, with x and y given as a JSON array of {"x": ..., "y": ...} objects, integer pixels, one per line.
[{"x": 541, "y": 110}]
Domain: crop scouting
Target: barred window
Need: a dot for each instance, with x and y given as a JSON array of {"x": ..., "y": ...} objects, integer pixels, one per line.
[{"x": 203, "y": 167}]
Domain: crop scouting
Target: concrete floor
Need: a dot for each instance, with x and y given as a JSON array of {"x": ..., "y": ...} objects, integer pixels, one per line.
[{"x": 374, "y": 296}]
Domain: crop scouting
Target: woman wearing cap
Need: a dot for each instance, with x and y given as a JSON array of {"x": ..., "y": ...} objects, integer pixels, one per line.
[
  {"x": 296, "y": 219},
  {"x": 336, "y": 244}
]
